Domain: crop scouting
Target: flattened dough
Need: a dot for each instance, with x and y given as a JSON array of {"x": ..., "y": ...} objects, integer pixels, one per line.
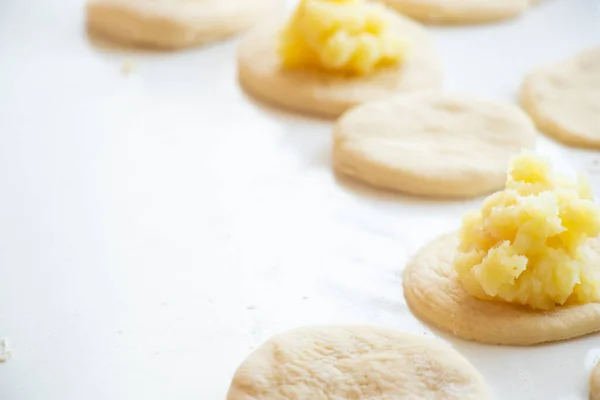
[
  {"x": 175, "y": 24},
  {"x": 355, "y": 362},
  {"x": 434, "y": 294},
  {"x": 564, "y": 99},
  {"x": 431, "y": 144},
  {"x": 326, "y": 94},
  {"x": 459, "y": 11}
]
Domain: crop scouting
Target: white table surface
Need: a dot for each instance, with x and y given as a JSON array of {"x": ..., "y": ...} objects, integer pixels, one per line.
[{"x": 156, "y": 227}]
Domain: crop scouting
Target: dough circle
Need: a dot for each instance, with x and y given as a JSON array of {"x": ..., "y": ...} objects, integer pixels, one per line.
[
  {"x": 431, "y": 144},
  {"x": 434, "y": 294},
  {"x": 326, "y": 94},
  {"x": 564, "y": 99},
  {"x": 172, "y": 24},
  {"x": 595, "y": 383},
  {"x": 355, "y": 362},
  {"x": 459, "y": 11}
]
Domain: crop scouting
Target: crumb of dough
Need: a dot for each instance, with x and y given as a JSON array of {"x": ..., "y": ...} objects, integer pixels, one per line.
[
  {"x": 127, "y": 67},
  {"x": 6, "y": 352}
]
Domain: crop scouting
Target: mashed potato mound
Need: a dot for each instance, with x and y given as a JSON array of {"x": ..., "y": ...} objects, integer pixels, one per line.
[
  {"x": 528, "y": 243},
  {"x": 346, "y": 36}
]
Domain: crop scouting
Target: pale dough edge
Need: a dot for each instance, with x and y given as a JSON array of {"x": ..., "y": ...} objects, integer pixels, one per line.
[
  {"x": 595, "y": 382},
  {"x": 447, "y": 16},
  {"x": 256, "y": 88}
]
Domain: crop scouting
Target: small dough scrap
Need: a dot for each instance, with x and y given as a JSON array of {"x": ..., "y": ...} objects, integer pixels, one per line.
[
  {"x": 329, "y": 94},
  {"x": 595, "y": 383},
  {"x": 564, "y": 99},
  {"x": 355, "y": 362},
  {"x": 459, "y": 11},
  {"x": 174, "y": 24},
  {"x": 431, "y": 144},
  {"x": 6, "y": 352},
  {"x": 434, "y": 293}
]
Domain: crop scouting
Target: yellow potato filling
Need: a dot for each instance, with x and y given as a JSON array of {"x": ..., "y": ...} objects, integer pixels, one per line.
[
  {"x": 345, "y": 36},
  {"x": 529, "y": 243}
]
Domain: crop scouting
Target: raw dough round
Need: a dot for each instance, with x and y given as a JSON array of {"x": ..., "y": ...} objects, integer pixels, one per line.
[
  {"x": 435, "y": 294},
  {"x": 459, "y": 11},
  {"x": 326, "y": 94},
  {"x": 175, "y": 23},
  {"x": 564, "y": 99},
  {"x": 355, "y": 362},
  {"x": 595, "y": 383},
  {"x": 431, "y": 144}
]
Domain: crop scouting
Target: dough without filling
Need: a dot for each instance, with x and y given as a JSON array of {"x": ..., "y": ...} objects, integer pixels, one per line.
[
  {"x": 355, "y": 362},
  {"x": 459, "y": 11},
  {"x": 431, "y": 144},
  {"x": 435, "y": 294},
  {"x": 175, "y": 23},
  {"x": 564, "y": 99}
]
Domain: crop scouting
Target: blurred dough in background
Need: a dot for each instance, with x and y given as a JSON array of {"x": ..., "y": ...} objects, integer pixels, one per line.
[
  {"x": 329, "y": 94},
  {"x": 355, "y": 362},
  {"x": 460, "y": 11},
  {"x": 563, "y": 98},
  {"x": 430, "y": 144},
  {"x": 173, "y": 24}
]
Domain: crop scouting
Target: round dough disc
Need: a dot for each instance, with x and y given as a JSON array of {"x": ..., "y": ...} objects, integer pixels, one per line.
[
  {"x": 595, "y": 383},
  {"x": 355, "y": 362},
  {"x": 431, "y": 144},
  {"x": 459, "y": 11},
  {"x": 326, "y": 94},
  {"x": 434, "y": 293},
  {"x": 174, "y": 24},
  {"x": 564, "y": 99}
]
